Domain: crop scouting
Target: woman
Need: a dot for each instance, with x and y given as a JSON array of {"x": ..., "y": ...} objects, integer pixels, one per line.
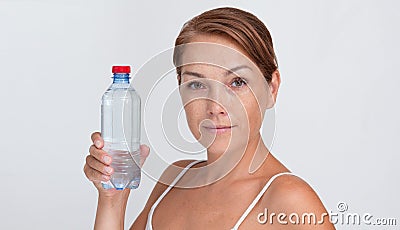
[{"x": 225, "y": 97}]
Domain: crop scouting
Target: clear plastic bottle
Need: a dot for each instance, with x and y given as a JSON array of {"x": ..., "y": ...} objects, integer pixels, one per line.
[{"x": 120, "y": 129}]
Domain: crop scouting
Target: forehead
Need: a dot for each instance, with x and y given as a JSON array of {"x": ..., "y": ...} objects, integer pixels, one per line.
[
  {"x": 212, "y": 51},
  {"x": 222, "y": 40},
  {"x": 203, "y": 70}
]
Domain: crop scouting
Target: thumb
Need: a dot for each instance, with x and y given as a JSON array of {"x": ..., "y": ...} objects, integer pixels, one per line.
[{"x": 144, "y": 153}]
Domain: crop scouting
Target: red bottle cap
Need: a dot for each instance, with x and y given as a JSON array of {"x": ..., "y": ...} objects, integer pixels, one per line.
[{"x": 121, "y": 69}]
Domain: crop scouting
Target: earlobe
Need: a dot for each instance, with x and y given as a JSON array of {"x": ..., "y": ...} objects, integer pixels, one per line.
[
  {"x": 273, "y": 88},
  {"x": 275, "y": 83}
]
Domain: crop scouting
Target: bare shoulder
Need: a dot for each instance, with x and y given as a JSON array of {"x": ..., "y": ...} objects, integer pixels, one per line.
[
  {"x": 167, "y": 177},
  {"x": 290, "y": 194},
  {"x": 292, "y": 190},
  {"x": 173, "y": 170},
  {"x": 169, "y": 174}
]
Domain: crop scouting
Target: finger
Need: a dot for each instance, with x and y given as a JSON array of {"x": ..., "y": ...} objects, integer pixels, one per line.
[
  {"x": 99, "y": 166},
  {"x": 144, "y": 153},
  {"x": 97, "y": 140},
  {"x": 100, "y": 155},
  {"x": 94, "y": 175}
]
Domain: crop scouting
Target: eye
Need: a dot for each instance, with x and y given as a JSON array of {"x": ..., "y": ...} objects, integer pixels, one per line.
[
  {"x": 238, "y": 82},
  {"x": 195, "y": 85}
]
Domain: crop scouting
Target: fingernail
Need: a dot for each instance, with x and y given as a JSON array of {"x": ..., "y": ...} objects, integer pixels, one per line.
[
  {"x": 108, "y": 169},
  {"x": 106, "y": 178},
  {"x": 107, "y": 159},
  {"x": 97, "y": 143}
]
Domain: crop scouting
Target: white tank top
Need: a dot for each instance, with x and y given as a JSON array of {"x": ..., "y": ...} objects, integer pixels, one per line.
[{"x": 241, "y": 219}]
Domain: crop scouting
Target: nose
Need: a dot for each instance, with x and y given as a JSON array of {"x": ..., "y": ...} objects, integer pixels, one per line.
[
  {"x": 215, "y": 109},
  {"x": 215, "y": 102}
]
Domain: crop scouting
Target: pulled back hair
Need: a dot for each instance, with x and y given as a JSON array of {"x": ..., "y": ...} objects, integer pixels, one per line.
[{"x": 241, "y": 26}]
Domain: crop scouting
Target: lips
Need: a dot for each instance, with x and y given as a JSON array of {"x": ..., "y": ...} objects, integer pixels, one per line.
[{"x": 219, "y": 128}]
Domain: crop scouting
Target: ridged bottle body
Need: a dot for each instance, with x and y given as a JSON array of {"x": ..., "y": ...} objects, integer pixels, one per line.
[{"x": 120, "y": 129}]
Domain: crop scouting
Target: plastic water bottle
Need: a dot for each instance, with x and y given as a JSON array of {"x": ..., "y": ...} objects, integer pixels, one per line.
[{"x": 120, "y": 129}]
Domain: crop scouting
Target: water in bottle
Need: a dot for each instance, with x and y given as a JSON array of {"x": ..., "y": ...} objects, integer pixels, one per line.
[{"x": 120, "y": 129}]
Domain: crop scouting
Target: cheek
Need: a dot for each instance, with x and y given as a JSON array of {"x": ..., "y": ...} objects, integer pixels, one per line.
[
  {"x": 193, "y": 112},
  {"x": 254, "y": 112}
]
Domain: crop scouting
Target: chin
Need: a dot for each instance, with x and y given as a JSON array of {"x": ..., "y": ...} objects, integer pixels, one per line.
[
  {"x": 217, "y": 150},
  {"x": 219, "y": 145}
]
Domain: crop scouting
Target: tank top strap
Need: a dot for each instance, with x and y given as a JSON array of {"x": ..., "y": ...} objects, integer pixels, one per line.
[
  {"x": 255, "y": 201},
  {"x": 180, "y": 175}
]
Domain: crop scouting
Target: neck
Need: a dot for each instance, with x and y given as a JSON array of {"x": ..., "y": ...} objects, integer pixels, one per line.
[{"x": 231, "y": 165}]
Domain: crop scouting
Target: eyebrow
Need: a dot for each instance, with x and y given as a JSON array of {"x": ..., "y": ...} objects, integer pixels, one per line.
[{"x": 227, "y": 73}]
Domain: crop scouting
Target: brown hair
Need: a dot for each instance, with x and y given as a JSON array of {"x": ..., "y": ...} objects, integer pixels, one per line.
[{"x": 243, "y": 27}]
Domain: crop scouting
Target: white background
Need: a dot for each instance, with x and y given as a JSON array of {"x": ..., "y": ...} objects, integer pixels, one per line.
[{"x": 337, "y": 114}]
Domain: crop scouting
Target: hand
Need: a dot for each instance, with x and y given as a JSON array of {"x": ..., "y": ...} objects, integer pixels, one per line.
[{"x": 97, "y": 167}]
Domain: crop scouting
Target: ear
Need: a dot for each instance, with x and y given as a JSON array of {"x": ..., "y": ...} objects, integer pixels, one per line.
[{"x": 273, "y": 88}]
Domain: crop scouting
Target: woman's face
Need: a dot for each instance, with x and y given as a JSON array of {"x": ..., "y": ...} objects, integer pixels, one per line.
[{"x": 224, "y": 93}]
